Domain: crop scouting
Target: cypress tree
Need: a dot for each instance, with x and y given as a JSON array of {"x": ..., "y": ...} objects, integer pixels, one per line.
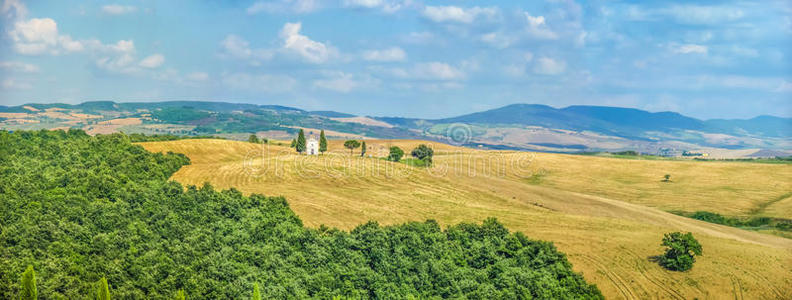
[
  {"x": 180, "y": 295},
  {"x": 28, "y": 289},
  {"x": 102, "y": 290},
  {"x": 300, "y": 141},
  {"x": 363, "y": 150},
  {"x": 256, "y": 292},
  {"x": 322, "y": 142},
  {"x": 293, "y": 143}
]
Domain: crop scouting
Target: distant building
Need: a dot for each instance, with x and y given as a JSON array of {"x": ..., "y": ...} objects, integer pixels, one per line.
[{"x": 312, "y": 146}]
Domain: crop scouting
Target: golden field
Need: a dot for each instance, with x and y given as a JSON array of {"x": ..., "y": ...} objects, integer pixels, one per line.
[{"x": 607, "y": 214}]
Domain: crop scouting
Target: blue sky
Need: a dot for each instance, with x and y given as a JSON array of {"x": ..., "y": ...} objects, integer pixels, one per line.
[{"x": 707, "y": 59}]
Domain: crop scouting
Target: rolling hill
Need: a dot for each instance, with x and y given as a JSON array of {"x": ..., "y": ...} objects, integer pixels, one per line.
[
  {"x": 518, "y": 126},
  {"x": 607, "y": 214}
]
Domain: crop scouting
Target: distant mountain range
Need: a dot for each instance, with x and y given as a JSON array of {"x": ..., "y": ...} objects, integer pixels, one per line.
[{"x": 517, "y": 126}]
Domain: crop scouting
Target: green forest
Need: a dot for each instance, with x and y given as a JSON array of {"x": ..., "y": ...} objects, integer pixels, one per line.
[{"x": 80, "y": 209}]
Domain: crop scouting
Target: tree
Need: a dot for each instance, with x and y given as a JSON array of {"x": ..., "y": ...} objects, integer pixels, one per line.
[
  {"x": 322, "y": 142},
  {"x": 300, "y": 146},
  {"x": 102, "y": 289},
  {"x": 256, "y": 292},
  {"x": 681, "y": 252},
  {"x": 395, "y": 154},
  {"x": 666, "y": 177},
  {"x": 363, "y": 149},
  {"x": 180, "y": 295},
  {"x": 293, "y": 143},
  {"x": 351, "y": 145},
  {"x": 28, "y": 289},
  {"x": 423, "y": 153},
  {"x": 254, "y": 139}
]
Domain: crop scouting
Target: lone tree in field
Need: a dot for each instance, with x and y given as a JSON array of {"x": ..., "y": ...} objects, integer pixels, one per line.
[
  {"x": 423, "y": 153},
  {"x": 322, "y": 142},
  {"x": 666, "y": 177},
  {"x": 28, "y": 289},
  {"x": 363, "y": 149},
  {"x": 395, "y": 154},
  {"x": 681, "y": 252},
  {"x": 102, "y": 289},
  {"x": 300, "y": 146},
  {"x": 254, "y": 139},
  {"x": 351, "y": 145},
  {"x": 293, "y": 143}
]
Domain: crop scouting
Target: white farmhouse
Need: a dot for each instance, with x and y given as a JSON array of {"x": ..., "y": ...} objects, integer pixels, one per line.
[{"x": 312, "y": 146}]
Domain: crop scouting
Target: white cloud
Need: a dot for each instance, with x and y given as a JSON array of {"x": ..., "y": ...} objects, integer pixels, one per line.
[
  {"x": 385, "y": 55},
  {"x": 35, "y": 36},
  {"x": 17, "y": 66},
  {"x": 237, "y": 47},
  {"x": 386, "y": 6},
  {"x": 303, "y": 46},
  {"x": 538, "y": 28},
  {"x": 13, "y": 84},
  {"x": 437, "y": 71},
  {"x": 152, "y": 61},
  {"x": 115, "y": 9},
  {"x": 785, "y": 86},
  {"x": 284, "y": 6},
  {"x": 498, "y": 40},
  {"x": 458, "y": 14},
  {"x": 123, "y": 63},
  {"x": 697, "y": 14},
  {"x": 14, "y": 9},
  {"x": 344, "y": 82},
  {"x": 424, "y": 71},
  {"x": 689, "y": 48},
  {"x": 259, "y": 82},
  {"x": 423, "y": 37},
  {"x": 744, "y": 51},
  {"x": 517, "y": 67},
  {"x": 549, "y": 66},
  {"x": 197, "y": 76}
]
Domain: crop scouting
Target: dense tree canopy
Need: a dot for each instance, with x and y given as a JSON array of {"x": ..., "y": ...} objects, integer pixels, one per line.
[{"x": 81, "y": 208}]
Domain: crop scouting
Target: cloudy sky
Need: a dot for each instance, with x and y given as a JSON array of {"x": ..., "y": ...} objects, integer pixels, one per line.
[{"x": 707, "y": 59}]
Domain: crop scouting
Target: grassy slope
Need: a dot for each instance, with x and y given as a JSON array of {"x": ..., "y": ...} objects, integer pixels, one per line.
[{"x": 574, "y": 204}]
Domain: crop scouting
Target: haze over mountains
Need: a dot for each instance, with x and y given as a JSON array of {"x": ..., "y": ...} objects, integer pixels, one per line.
[{"x": 518, "y": 126}]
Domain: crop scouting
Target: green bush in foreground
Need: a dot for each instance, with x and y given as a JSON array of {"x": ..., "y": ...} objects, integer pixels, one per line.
[
  {"x": 681, "y": 252},
  {"x": 79, "y": 208}
]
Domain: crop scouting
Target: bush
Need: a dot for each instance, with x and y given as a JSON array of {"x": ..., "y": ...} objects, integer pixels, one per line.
[{"x": 681, "y": 252}]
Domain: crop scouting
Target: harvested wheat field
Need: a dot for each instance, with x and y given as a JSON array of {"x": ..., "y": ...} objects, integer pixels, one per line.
[{"x": 607, "y": 214}]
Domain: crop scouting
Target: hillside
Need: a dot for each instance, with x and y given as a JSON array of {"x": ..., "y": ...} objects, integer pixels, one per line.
[
  {"x": 517, "y": 126},
  {"x": 609, "y": 223},
  {"x": 81, "y": 210}
]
